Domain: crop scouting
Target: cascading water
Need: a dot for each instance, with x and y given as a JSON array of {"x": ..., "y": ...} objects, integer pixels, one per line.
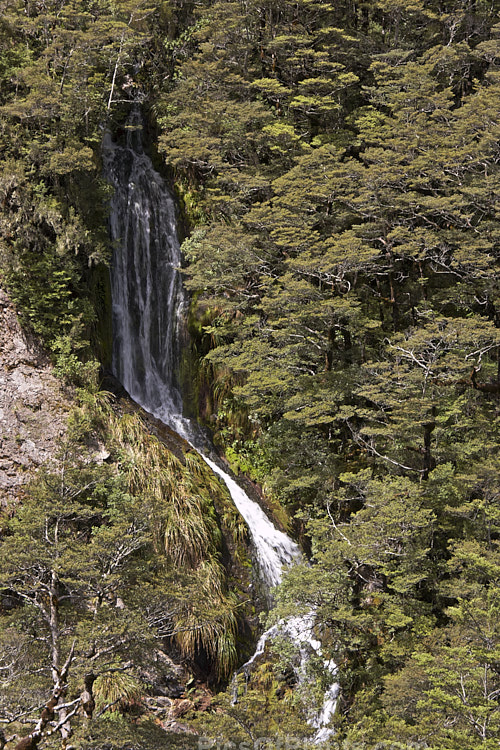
[
  {"x": 146, "y": 288},
  {"x": 148, "y": 303},
  {"x": 300, "y": 630}
]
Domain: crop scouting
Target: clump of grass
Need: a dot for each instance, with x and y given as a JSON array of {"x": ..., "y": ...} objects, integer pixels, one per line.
[
  {"x": 209, "y": 621},
  {"x": 117, "y": 691},
  {"x": 179, "y": 500},
  {"x": 185, "y": 530}
]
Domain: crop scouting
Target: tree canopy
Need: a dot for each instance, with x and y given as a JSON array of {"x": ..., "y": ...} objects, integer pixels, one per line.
[{"x": 336, "y": 167}]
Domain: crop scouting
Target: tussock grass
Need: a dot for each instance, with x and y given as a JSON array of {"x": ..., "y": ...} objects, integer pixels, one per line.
[
  {"x": 179, "y": 499},
  {"x": 209, "y": 622},
  {"x": 185, "y": 532},
  {"x": 117, "y": 691}
]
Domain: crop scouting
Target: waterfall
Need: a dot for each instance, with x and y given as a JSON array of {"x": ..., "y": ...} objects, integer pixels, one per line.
[
  {"x": 146, "y": 288},
  {"x": 148, "y": 303}
]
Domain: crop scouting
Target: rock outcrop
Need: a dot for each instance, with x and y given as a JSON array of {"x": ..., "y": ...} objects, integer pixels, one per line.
[{"x": 33, "y": 406}]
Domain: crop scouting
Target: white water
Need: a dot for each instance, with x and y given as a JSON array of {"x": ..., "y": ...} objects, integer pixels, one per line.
[
  {"x": 274, "y": 549},
  {"x": 148, "y": 303},
  {"x": 300, "y": 630},
  {"x": 146, "y": 287}
]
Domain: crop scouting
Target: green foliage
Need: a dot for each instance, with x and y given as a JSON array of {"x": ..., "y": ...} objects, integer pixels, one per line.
[
  {"x": 114, "y": 730},
  {"x": 264, "y": 713},
  {"x": 104, "y": 563},
  {"x": 340, "y": 162}
]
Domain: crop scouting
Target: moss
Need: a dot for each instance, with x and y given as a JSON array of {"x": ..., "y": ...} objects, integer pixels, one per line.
[
  {"x": 188, "y": 377},
  {"x": 191, "y": 203},
  {"x": 101, "y": 333}
]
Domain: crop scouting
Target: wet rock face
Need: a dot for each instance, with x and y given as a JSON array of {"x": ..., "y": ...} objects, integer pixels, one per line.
[{"x": 33, "y": 408}]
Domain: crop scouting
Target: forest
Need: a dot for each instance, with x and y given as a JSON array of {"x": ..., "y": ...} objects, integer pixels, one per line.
[{"x": 335, "y": 167}]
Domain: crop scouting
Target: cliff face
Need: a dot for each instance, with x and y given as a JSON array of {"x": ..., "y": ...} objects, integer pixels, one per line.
[{"x": 33, "y": 407}]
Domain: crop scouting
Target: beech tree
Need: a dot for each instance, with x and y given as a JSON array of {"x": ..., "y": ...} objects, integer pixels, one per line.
[{"x": 66, "y": 560}]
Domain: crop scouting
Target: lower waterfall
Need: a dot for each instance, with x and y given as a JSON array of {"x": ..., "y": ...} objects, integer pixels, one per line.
[{"x": 148, "y": 303}]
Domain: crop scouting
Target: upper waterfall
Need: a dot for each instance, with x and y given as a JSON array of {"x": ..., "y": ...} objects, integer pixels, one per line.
[{"x": 146, "y": 288}]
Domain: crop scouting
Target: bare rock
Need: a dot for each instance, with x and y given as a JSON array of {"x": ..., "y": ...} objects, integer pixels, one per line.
[
  {"x": 175, "y": 726},
  {"x": 33, "y": 406},
  {"x": 203, "y": 701},
  {"x": 180, "y": 707}
]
